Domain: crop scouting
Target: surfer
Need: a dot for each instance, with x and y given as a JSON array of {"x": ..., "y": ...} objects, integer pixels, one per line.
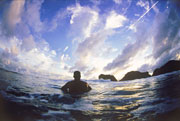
[{"x": 76, "y": 86}]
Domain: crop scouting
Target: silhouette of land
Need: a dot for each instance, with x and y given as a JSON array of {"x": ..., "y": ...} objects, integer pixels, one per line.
[
  {"x": 170, "y": 66},
  {"x": 109, "y": 77},
  {"x": 135, "y": 75}
]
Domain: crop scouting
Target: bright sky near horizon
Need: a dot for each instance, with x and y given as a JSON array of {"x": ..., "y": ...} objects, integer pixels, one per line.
[{"x": 92, "y": 36}]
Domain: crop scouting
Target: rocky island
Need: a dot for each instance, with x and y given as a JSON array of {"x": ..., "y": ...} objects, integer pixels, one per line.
[
  {"x": 109, "y": 77},
  {"x": 135, "y": 75},
  {"x": 170, "y": 66}
]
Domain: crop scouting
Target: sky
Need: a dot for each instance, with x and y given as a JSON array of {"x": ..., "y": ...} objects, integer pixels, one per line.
[{"x": 56, "y": 37}]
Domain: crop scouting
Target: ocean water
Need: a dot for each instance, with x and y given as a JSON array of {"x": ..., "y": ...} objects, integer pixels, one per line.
[{"x": 30, "y": 98}]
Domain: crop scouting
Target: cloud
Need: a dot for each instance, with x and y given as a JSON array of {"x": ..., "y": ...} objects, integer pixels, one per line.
[
  {"x": 165, "y": 36},
  {"x": 91, "y": 30},
  {"x": 83, "y": 20},
  {"x": 53, "y": 52},
  {"x": 96, "y": 2},
  {"x": 28, "y": 43},
  {"x": 88, "y": 30},
  {"x": 34, "y": 61},
  {"x": 9, "y": 50},
  {"x": 115, "y": 20},
  {"x": 137, "y": 15},
  {"x": 144, "y": 4},
  {"x": 166, "y": 40},
  {"x": 56, "y": 20},
  {"x": 66, "y": 48},
  {"x": 178, "y": 56},
  {"x": 162, "y": 39},
  {"x": 33, "y": 15},
  {"x": 132, "y": 26},
  {"x": 65, "y": 57},
  {"x": 13, "y": 16},
  {"x": 130, "y": 50},
  {"x": 118, "y": 1},
  {"x": 88, "y": 53},
  {"x": 26, "y": 51},
  {"x": 35, "y": 58}
]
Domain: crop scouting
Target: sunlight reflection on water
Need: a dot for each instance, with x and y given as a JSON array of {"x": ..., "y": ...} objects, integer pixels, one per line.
[{"x": 126, "y": 100}]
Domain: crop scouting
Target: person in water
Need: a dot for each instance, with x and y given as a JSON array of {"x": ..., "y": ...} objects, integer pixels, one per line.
[{"x": 76, "y": 86}]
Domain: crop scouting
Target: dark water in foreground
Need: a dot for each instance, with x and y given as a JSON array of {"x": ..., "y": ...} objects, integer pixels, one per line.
[{"x": 27, "y": 98}]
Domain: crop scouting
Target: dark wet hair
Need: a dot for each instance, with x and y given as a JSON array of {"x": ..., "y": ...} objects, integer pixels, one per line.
[{"x": 77, "y": 74}]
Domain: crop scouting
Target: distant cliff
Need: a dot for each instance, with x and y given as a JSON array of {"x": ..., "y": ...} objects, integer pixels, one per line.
[
  {"x": 135, "y": 75},
  {"x": 110, "y": 77},
  {"x": 170, "y": 66}
]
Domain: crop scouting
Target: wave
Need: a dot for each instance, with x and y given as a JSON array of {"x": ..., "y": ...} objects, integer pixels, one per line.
[{"x": 28, "y": 98}]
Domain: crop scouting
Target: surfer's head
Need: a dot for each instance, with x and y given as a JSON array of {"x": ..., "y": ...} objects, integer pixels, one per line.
[{"x": 77, "y": 75}]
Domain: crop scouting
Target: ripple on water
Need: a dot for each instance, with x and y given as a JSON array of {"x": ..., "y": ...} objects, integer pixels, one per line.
[{"x": 41, "y": 99}]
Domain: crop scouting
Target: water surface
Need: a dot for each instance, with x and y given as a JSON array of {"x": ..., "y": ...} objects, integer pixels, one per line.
[{"x": 30, "y": 98}]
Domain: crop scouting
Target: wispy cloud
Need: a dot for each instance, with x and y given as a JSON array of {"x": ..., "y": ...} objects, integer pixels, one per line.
[
  {"x": 28, "y": 43},
  {"x": 144, "y": 4},
  {"x": 115, "y": 20},
  {"x": 147, "y": 11},
  {"x": 13, "y": 16},
  {"x": 89, "y": 52},
  {"x": 118, "y": 1},
  {"x": 166, "y": 41},
  {"x": 94, "y": 29},
  {"x": 66, "y": 48},
  {"x": 21, "y": 46},
  {"x": 33, "y": 15},
  {"x": 96, "y": 38},
  {"x": 130, "y": 50},
  {"x": 83, "y": 20},
  {"x": 164, "y": 33}
]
